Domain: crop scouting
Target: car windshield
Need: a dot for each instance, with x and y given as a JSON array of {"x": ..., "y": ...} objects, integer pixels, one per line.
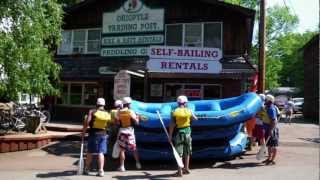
[{"x": 297, "y": 100}]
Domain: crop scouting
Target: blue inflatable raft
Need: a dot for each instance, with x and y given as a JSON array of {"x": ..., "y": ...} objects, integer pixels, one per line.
[
  {"x": 217, "y": 133},
  {"x": 222, "y": 112}
]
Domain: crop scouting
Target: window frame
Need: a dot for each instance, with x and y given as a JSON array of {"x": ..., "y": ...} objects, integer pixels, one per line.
[
  {"x": 202, "y": 32},
  {"x": 85, "y": 51},
  {"x": 83, "y": 85}
]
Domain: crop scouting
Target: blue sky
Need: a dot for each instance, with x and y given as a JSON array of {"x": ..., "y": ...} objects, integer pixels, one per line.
[{"x": 306, "y": 10}]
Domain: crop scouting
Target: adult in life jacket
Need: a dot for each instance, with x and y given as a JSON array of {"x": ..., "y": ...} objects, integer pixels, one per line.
[
  {"x": 98, "y": 119},
  {"x": 126, "y": 139},
  {"x": 181, "y": 120}
]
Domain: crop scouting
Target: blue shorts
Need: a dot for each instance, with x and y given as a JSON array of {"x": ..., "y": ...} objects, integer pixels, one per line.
[{"x": 97, "y": 143}]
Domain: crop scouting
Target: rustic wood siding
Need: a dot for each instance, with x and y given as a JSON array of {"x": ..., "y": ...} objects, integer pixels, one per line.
[{"x": 311, "y": 75}]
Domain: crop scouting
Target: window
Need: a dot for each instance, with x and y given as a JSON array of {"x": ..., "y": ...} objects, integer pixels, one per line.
[
  {"x": 79, "y": 41},
  {"x": 195, "y": 34},
  {"x": 174, "y": 35},
  {"x": 83, "y": 41},
  {"x": 78, "y": 94}
]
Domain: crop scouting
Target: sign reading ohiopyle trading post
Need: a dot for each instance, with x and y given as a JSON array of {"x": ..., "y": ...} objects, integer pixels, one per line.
[
  {"x": 125, "y": 27},
  {"x": 176, "y": 59},
  {"x": 122, "y": 84}
]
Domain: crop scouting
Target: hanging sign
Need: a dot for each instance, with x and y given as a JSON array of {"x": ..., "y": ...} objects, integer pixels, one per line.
[
  {"x": 185, "y": 53},
  {"x": 122, "y": 84},
  {"x": 133, "y": 17},
  {"x": 183, "y": 66}
]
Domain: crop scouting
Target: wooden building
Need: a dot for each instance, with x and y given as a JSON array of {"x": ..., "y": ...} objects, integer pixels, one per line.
[
  {"x": 311, "y": 74},
  {"x": 87, "y": 73}
]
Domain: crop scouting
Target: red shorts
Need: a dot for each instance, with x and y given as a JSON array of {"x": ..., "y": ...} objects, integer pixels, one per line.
[{"x": 258, "y": 132}]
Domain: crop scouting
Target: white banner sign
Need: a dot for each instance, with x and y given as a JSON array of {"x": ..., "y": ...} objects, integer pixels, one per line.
[
  {"x": 185, "y": 53},
  {"x": 133, "y": 16},
  {"x": 122, "y": 84},
  {"x": 184, "y": 66},
  {"x": 130, "y": 51},
  {"x": 132, "y": 40}
]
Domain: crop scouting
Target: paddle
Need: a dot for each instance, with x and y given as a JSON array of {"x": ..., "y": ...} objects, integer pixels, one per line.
[
  {"x": 175, "y": 153},
  {"x": 81, "y": 162},
  {"x": 262, "y": 150}
]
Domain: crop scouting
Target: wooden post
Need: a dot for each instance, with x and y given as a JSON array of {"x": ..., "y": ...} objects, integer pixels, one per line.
[{"x": 262, "y": 38}]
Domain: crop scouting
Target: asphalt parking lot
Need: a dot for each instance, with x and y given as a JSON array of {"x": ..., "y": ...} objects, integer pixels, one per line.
[{"x": 298, "y": 159}]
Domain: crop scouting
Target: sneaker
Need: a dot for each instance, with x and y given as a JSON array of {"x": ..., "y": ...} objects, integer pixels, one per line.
[
  {"x": 100, "y": 173},
  {"x": 121, "y": 168},
  {"x": 138, "y": 165},
  {"x": 86, "y": 171}
]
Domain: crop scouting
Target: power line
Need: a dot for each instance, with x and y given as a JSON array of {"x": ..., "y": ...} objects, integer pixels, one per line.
[{"x": 285, "y": 4}]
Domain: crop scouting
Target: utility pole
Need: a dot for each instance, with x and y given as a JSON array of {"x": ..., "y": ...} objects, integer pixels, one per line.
[{"x": 262, "y": 39}]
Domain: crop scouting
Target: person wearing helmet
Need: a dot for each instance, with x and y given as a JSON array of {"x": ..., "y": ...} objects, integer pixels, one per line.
[
  {"x": 113, "y": 130},
  {"x": 126, "y": 118},
  {"x": 272, "y": 131},
  {"x": 288, "y": 108},
  {"x": 98, "y": 120},
  {"x": 181, "y": 120}
]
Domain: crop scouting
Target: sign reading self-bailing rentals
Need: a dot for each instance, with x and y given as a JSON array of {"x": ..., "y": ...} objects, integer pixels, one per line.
[{"x": 131, "y": 29}]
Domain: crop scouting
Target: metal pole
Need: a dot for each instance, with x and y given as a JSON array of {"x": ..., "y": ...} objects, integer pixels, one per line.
[{"x": 262, "y": 39}]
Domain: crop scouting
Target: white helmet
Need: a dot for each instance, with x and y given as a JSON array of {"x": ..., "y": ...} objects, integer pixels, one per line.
[
  {"x": 182, "y": 99},
  {"x": 101, "y": 102},
  {"x": 269, "y": 97},
  {"x": 118, "y": 103},
  {"x": 127, "y": 100},
  {"x": 263, "y": 97}
]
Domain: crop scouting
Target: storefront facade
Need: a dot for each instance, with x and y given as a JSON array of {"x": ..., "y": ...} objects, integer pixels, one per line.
[{"x": 99, "y": 40}]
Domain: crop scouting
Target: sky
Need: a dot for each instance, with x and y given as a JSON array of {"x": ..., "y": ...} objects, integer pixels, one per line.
[{"x": 306, "y": 10}]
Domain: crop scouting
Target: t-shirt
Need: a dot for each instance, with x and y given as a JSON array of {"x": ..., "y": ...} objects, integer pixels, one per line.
[{"x": 272, "y": 112}]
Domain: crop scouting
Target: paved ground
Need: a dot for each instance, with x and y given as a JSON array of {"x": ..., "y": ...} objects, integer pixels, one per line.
[{"x": 298, "y": 159}]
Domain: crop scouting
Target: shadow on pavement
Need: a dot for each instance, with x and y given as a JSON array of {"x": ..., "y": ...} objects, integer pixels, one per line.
[
  {"x": 229, "y": 165},
  {"x": 56, "y": 174},
  {"x": 146, "y": 176},
  {"x": 64, "y": 148},
  {"x": 314, "y": 140}
]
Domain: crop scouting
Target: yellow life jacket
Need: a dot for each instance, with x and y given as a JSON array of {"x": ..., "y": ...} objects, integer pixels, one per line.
[
  {"x": 125, "y": 118},
  {"x": 101, "y": 118},
  {"x": 263, "y": 115},
  {"x": 113, "y": 115},
  {"x": 182, "y": 117}
]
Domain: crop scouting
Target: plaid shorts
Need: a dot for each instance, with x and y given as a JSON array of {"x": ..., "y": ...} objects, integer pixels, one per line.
[{"x": 183, "y": 143}]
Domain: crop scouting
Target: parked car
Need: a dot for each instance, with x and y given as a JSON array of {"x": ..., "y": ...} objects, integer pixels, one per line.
[
  {"x": 298, "y": 104},
  {"x": 281, "y": 100}
]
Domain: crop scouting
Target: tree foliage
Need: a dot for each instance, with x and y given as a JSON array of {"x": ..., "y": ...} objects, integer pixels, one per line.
[{"x": 29, "y": 32}]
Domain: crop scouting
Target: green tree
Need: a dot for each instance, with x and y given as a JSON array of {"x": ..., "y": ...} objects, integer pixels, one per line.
[
  {"x": 252, "y": 4},
  {"x": 29, "y": 32}
]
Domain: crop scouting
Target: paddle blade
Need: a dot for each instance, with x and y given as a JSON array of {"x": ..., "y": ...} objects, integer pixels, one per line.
[
  {"x": 81, "y": 162},
  {"x": 177, "y": 157},
  {"x": 261, "y": 152}
]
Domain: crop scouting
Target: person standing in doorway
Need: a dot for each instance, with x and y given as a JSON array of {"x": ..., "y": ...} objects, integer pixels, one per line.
[
  {"x": 98, "y": 120},
  {"x": 126, "y": 139},
  {"x": 181, "y": 119},
  {"x": 272, "y": 132}
]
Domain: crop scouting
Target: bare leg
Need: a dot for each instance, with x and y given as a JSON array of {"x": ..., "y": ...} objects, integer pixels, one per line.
[
  {"x": 186, "y": 163},
  {"x": 101, "y": 161},
  {"x": 274, "y": 153},
  {"x": 122, "y": 157},
  {"x": 136, "y": 155},
  {"x": 88, "y": 161}
]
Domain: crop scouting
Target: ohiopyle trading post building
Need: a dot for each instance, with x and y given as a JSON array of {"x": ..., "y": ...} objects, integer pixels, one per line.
[{"x": 153, "y": 51}]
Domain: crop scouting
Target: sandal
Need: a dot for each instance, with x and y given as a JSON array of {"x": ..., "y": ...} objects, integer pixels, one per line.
[
  {"x": 265, "y": 161},
  {"x": 270, "y": 163},
  {"x": 185, "y": 171},
  {"x": 177, "y": 174}
]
